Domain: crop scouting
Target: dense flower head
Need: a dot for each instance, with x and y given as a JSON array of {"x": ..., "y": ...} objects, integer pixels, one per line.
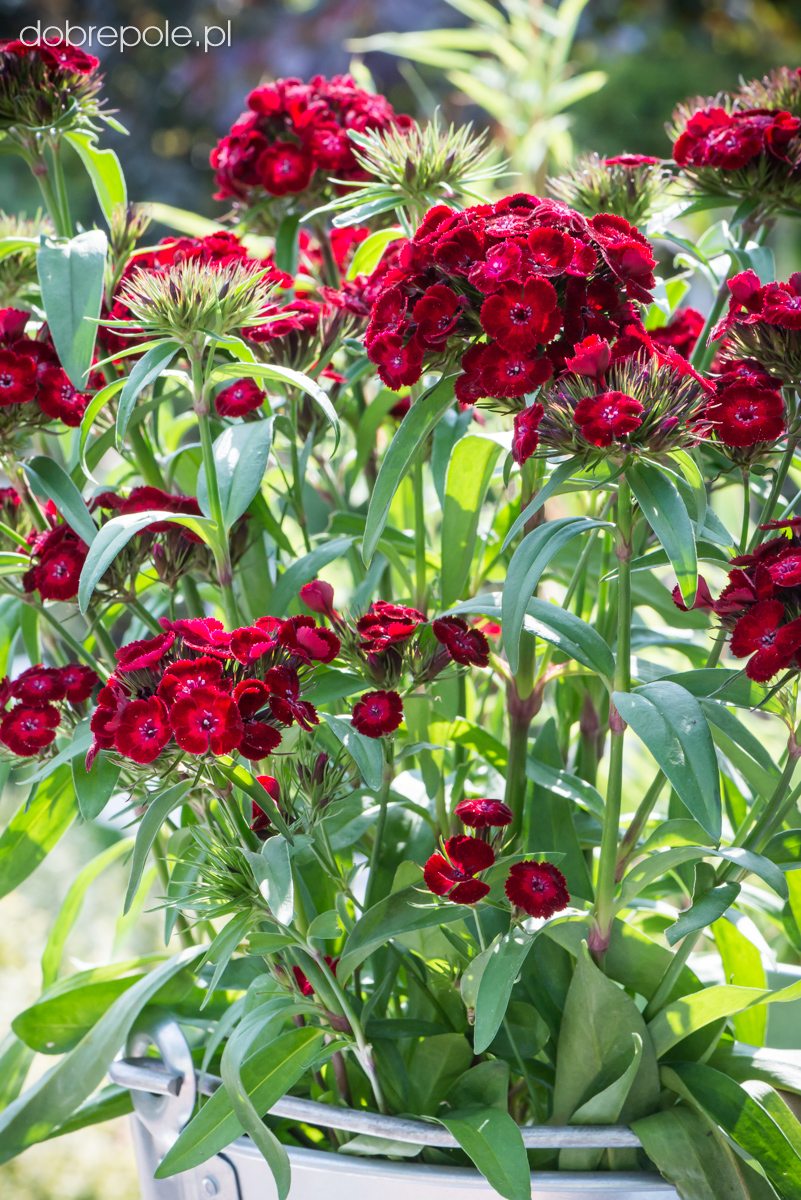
[
  {"x": 41, "y": 697},
  {"x": 630, "y": 396},
  {"x": 376, "y": 714},
  {"x": 539, "y": 889},
  {"x": 33, "y": 388},
  {"x": 385, "y": 625},
  {"x": 57, "y": 557},
  {"x": 743, "y": 414},
  {"x": 628, "y": 185},
  {"x": 726, "y": 147},
  {"x": 197, "y": 688},
  {"x": 453, "y": 872},
  {"x": 42, "y": 83},
  {"x": 506, "y": 291},
  {"x": 763, "y": 323},
  {"x": 294, "y": 137}
]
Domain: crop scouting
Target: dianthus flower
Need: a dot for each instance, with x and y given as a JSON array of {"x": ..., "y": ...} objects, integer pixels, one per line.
[
  {"x": 763, "y": 324},
  {"x": 466, "y": 645},
  {"x": 539, "y": 889},
  {"x": 452, "y": 874},
  {"x": 378, "y": 713},
  {"x": 484, "y": 813}
]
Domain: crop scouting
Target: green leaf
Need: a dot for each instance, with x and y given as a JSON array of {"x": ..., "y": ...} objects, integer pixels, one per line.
[
  {"x": 370, "y": 251},
  {"x": 401, "y": 912},
  {"x": 98, "y": 402},
  {"x": 222, "y": 948},
  {"x": 704, "y": 911},
  {"x": 266, "y": 1076},
  {"x": 683, "y": 1016},
  {"x": 184, "y": 221},
  {"x": 528, "y": 563},
  {"x": 366, "y": 752},
  {"x": 286, "y": 244},
  {"x": 486, "y": 1084},
  {"x": 15, "y": 1062},
  {"x": 71, "y": 279},
  {"x": 35, "y": 828},
  {"x": 494, "y": 1143},
  {"x": 303, "y": 570},
  {"x": 595, "y": 1041},
  {"x": 80, "y": 743},
  {"x": 436, "y": 1063},
  {"x": 470, "y": 470},
  {"x": 95, "y": 788},
  {"x": 57, "y": 1093},
  {"x": 410, "y": 436},
  {"x": 106, "y": 1105},
  {"x": 603, "y": 1108},
  {"x": 562, "y": 783},
  {"x": 104, "y": 170},
  {"x": 288, "y": 377},
  {"x": 743, "y": 966},
  {"x": 672, "y": 725},
  {"x": 504, "y": 962},
  {"x": 780, "y": 1068},
  {"x": 276, "y": 878},
  {"x": 741, "y": 1117},
  {"x": 690, "y": 1153},
  {"x": 560, "y": 475},
  {"x": 50, "y": 479},
  {"x": 116, "y": 534},
  {"x": 145, "y": 371},
  {"x": 242, "y": 778},
  {"x": 240, "y": 455},
  {"x": 156, "y": 814},
  {"x": 666, "y": 513},
  {"x": 71, "y": 908}
]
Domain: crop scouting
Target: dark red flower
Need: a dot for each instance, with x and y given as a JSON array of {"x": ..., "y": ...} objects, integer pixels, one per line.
[
  {"x": 631, "y": 160},
  {"x": 460, "y": 251},
  {"x": 260, "y": 818},
  {"x": 205, "y": 635},
  {"x": 520, "y": 318},
  {"x": 781, "y": 303},
  {"x": 309, "y": 641},
  {"x": 744, "y": 414},
  {"x": 319, "y": 597},
  {"x": 285, "y": 167},
  {"x": 253, "y": 641},
  {"x": 58, "y": 573},
  {"x": 436, "y": 313},
  {"x": 759, "y": 633},
  {"x": 388, "y": 315},
  {"x": 466, "y": 646},
  {"x": 703, "y": 596},
  {"x": 27, "y": 730},
  {"x": 398, "y": 365},
  {"x": 285, "y": 702},
  {"x": 484, "y": 813},
  {"x": 607, "y": 416},
  {"x": 377, "y": 713},
  {"x": 39, "y": 685},
  {"x": 525, "y": 438},
  {"x": 385, "y": 625},
  {"x": 185, "y": 676},
  {"x": 12, "y": 324},
  {"x": 550, "y": 251},
  {"x": 784, "y": 571},
  {"x": 17, "y": 378},
  {"x": 681, "y": 331},
  {"x": 504, "y": 261},
  {"x": 590, "y": 357},
  {"x": 206, "y": 720},
  {"x": 452, "y": 874},
  {"x": 136, "y": 656},
  {"x": 513, "y": 372},
  {"x": 239, "y": 398},
  {"x": 78, "y": 681},
  {"x": 538, "y": 888},
  {"x": 143, "y": 730},
  {"x": 59, "y": 399}
]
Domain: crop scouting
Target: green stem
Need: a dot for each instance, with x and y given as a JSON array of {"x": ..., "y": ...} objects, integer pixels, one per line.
[
  {"x": 746, "y": 510},
  {"x": 766, "y": 811},
  {"x": 147, "y": 619},
  {"x": 775, "y": 491},
  {"x": 420, "y": 598},
  {"x": 181, "y": 923},
  {"x": 194, "y": 604},
  {"x": 145, "y": 458},
  {"x": 41, "y": 173},
  {"x": 639, "y": 821},
  {"x": 717, "y": 649},
  {"x": 702, "y": 355},
  {"x": 365, "y": 1051},
  {"x": 607, "y": 861},
  {"x": 73, "y": 643},
  {"x": 60, "y": 189},
  {"x": 380, "y": 825},
  {"x": 297, "y": 488},
  {"x": 520, "y": 707},
  {"x": 668, "y": 981},
  {"x": 105, "y": 641}
]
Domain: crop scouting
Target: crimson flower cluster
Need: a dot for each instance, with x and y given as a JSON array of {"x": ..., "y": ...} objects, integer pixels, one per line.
[
  {"x": 537, "y": 889},
  {"x": 506, "y": 291},
  {"x": 39, "y": 83},
  {"x": 198, "y": 689},
  {"x": 33, "y": 388},
  {"x": 294, "y": 136},
  {"x": 57, "y": 556},
  {"x": 763, "y": 323},
  {"x": 390, "y": 641},
  {"x": 761, "y": 604},
  {"x": 42, "y": 697},
  {"x": 627, "y": 396}
]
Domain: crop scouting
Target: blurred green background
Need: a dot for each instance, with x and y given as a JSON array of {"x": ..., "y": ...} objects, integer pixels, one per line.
[{"x": 176, "y": 103}]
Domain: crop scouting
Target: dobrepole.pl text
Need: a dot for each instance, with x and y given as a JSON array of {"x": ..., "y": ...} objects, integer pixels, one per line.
[{"x": 126, "y": 36}]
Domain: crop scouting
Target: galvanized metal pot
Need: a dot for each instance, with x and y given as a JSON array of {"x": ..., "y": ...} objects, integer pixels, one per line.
[{"x": 164, "y": 1095}]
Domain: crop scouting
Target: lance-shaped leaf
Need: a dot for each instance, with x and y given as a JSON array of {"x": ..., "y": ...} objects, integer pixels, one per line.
[
  {"x": 48, "y": 478},
  {"x": 104, "y": 170},
  {"x": 504, "y": 962},
  {"x": 603, "y": 1108},
  {"x": 684, "y": 1016},
  {"x": 157, "y": 812},
  {"x": 35, "y": 828},
  {"x": 494, "y": 1143},
  {"x": 240, "y": 456},
  {"x": 366, "y": 752},
  {"x": 672, "y": 725},
  {"x": 558, "y": 476},
  {"x": 288, "y": 378},
  {"x": 666, "y": 513},
  {"x": 71, "y": 279},
  {"x": 303, "y": 570},
  {"x": 528, "y": 563},
  {"x": 411, "y": 433},
  {"x": 369, "y": 252},
  {"x": 401, "y": 912},
  {"x": 145, "y": 372},
  {"x": 469, "y": 473}
]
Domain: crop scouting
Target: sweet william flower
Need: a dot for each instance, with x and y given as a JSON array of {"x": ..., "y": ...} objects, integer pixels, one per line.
[
  {"x": 285, "y": 702},
  {"x": 26, "y": 729},
  {"x": 319, "y": 597},
  {"x": 507, "y": 373},
  {"x": 525, "y": 437},
  {"x": 376, "y": 714},
  {"x": 484, "y": 813},
  {"x": 310, "y": 642},
  {"x": 466, "y": 646},
  {"x": 18, "y": 381},
  {"x": 137, "y": 656},
  {"x": 452, "y": 874},
  {"x": 398, "y": 365},
  {"x": 206, "y": 720},
  {"x": 744, "y": 414},
  {"x": 185, "y": 676},
  {"x": 143, "y": 730},
  {"x": 39, "y": 685},
  {"x": 239, "y": 398},
  {"x": 591, "y": 357},
  {"x": 79, "y": 682},
  {"x": 285, "y": 167},
  {"x": 59, "y": 399},
  {"x": 771, "y": 645},
  {"x": 520, "y": 318},
  {"x": 538, "y": 888},
  {"x": 608, "y": 416}
]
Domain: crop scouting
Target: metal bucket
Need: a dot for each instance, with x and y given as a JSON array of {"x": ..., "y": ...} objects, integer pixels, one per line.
[{"x": 164, "y": 1096}]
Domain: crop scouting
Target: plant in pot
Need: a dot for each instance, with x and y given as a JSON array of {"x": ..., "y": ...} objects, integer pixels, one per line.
[{"x": 342, "y": 566}]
